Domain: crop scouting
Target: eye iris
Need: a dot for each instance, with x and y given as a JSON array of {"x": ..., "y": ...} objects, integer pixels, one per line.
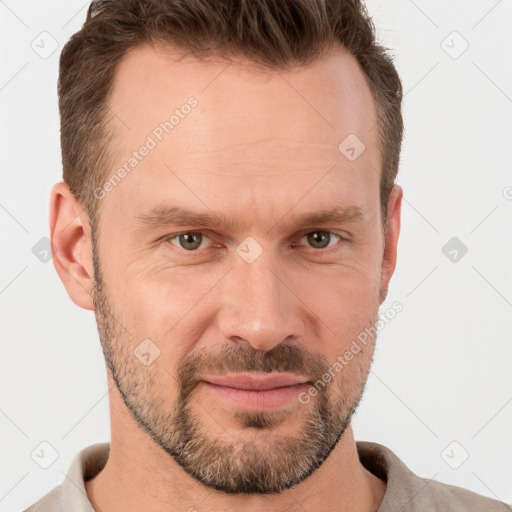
[
  {"x": 192, "y": 241},
  {"x": 319, "y": 237},
  {"x": 186, "y": 241}
]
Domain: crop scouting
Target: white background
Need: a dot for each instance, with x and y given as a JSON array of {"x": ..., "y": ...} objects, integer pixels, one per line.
[{"x": 442, "y": 366}]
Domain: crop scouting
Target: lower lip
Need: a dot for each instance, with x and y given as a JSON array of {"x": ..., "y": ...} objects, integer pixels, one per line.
[{"x": 257, "y": 400}]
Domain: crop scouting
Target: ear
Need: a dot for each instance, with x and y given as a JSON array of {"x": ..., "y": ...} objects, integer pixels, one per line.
[
  {"x": 394, "y": 210},
  {"x": 70, "y": 234}
]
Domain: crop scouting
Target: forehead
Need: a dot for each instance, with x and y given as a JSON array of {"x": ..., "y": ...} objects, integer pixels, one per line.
[
  {"x": 331, "y": 93},
  {"x": 250, "y": 128}
]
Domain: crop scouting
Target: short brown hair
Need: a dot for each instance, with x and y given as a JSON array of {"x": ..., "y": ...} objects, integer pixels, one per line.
[{"x": 276, "y": 34}]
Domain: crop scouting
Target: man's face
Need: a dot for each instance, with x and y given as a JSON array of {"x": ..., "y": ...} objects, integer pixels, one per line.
[{"x": 179, "y": 303}]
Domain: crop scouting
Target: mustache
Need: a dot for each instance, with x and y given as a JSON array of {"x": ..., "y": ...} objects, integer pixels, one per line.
[{"x": 281, "y": 358}]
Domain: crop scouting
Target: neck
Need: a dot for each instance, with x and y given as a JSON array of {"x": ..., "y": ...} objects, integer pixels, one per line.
[{"x": 139, "y": 475}]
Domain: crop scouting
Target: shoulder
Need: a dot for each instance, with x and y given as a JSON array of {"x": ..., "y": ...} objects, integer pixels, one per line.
[
  {"x": 50, "y": 502},
  {"x": 452, "y": 498},
  {"x": 409, "y": 492},
  {"x": 71, "y": 494}
]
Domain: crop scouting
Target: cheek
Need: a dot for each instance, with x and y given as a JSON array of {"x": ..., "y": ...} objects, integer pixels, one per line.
[
  {"x": 346, "y": 300},
  {"x": 164, "y": 297},
  {"x": 163, "y": 306},
  {"x": 346, "y": 292}
]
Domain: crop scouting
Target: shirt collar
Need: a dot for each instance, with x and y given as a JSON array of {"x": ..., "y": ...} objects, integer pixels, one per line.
[
  {"x": 402, "y": 484},
  {"x": 86, "y": 464}
]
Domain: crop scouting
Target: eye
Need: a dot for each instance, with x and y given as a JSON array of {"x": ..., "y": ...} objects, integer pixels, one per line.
[
  {"x": 321, "y": 240},
  {"x": 194, "y": 241},
  {"x": 189, "y": 241}
]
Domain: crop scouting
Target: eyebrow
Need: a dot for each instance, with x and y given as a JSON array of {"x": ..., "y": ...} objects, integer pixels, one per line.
[{"x": 163, "y": 216}]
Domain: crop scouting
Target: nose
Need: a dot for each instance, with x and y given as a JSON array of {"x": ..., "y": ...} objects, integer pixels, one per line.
[{"x": 259, "y": 304}]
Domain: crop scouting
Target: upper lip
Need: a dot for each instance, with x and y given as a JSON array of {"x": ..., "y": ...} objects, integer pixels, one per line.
[{"x": 254, "y": 381}]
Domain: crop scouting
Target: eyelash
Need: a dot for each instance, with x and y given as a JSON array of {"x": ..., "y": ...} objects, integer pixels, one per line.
[{"x": 325, "y": 251}]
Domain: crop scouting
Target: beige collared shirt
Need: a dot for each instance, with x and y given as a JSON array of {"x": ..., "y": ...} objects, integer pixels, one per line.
[{"x": 406, "y": 492}]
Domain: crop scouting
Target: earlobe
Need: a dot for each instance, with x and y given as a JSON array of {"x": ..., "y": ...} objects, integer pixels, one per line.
[
  {"x": 70, "y": 234},
  {"x": 389, "y": 259}
]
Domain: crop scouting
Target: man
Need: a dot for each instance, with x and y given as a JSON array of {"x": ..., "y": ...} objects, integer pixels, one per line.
[{"x": 229, "y": 213}]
